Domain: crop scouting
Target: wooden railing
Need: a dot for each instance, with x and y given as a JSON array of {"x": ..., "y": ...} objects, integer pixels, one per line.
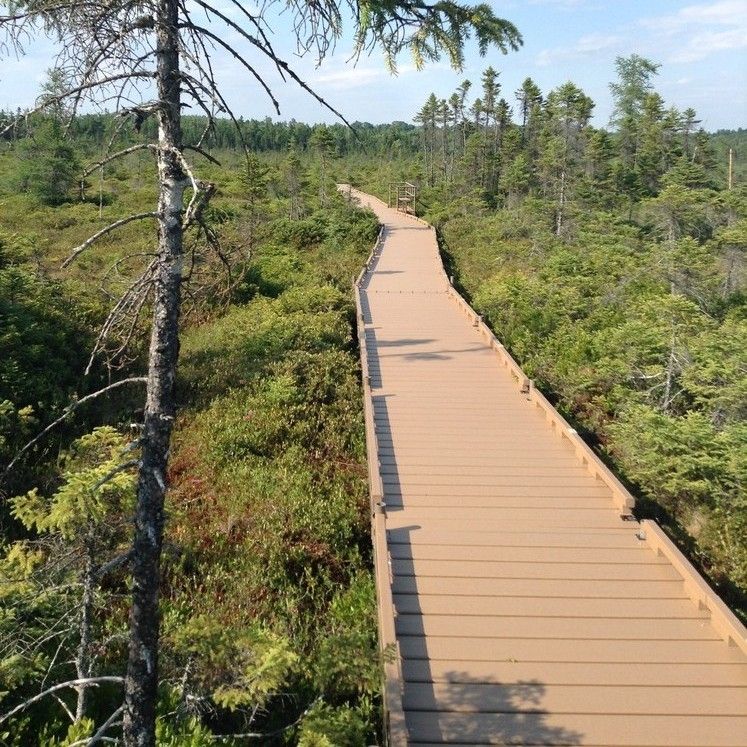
[
  {"x": 394, "y": 718},
  {"x": 725, "y": 622}
]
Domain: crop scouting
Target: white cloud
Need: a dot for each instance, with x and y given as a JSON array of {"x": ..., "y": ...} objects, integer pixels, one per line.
[
  {"x": 349, "y": 77},
  {"x": 586, "y": 46},
  {"x": 696, "y": 32},
  {"x": 702, "y": 45},
  {"x": 692, "y": 34},
  {"x": 724, "y": 12}
]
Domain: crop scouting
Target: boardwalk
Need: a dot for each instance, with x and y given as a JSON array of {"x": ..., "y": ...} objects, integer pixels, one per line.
[{"x": 523, "y": 603}]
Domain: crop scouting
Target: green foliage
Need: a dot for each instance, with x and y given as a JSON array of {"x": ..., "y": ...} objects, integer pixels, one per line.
[
  {"x": 49, "y": 165},
  {"x": 54, "y": 607},
  {"x": 614, "y": 271},
  {"x": 272, "y": 597},
  {"x": 45, "y": 328},
  {"x": 94, "y": 486},
  {"x": 329, "y": 726},
  {"x": 440, "y": 30},
  {"x": 716, "y": 378},
  {"x": 622, "y": 330},
  {"x": 696, "y": 470},
  {"x": 237, "y": 668},
  {"x": 632, "y": 315}
]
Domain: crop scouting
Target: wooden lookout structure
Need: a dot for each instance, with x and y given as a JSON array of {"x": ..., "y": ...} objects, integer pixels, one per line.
[{"x": 402, "y": 196}]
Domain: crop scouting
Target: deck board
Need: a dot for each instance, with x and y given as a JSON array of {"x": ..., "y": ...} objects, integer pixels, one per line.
[{"x": 526, "y": 609}]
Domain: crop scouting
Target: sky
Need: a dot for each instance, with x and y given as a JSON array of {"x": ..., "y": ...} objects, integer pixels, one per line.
[{"x": 701, "y": 47}]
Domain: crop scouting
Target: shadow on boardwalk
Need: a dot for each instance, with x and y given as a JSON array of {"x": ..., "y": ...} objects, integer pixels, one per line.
[{"x": 474, "y": 712}]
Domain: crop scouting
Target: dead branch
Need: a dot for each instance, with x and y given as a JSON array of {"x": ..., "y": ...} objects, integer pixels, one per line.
[
  {"x": 272, "y": 56},
  {"x": 64, "y": 707},
  {"x": 267, "y": 735},
  {"x": 87, "y": 682},
  {"x": 114, "y": 472},
  {"x": 133, "y": 298},
  {"x": 260, "y": 31},
  {"x": 99, "y": 735},
  {"x": 68, "y": 410},
  {"x": 237, "y": 56},
  {"x": 104, "y": 231},
  {"x": 203, "y": 153},
  {"x": 72, "y": 91},
  {"x": 141, "y": 146},
  {"x": 112, "y": 565}
]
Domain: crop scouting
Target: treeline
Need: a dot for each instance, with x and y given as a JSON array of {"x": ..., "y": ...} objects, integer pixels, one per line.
[
  {"x": 613, "y": 265},
  {"x": 94, "y": 131},
  {"x": 475, "y": 146}
]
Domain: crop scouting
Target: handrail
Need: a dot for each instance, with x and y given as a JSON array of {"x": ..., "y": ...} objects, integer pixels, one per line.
[
  {"x": 624, "y": 501},
  {"x": 727, "y": 625},
  {"x": 394, "y": 715}
]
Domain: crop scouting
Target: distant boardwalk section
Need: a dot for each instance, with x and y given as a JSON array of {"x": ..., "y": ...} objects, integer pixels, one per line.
[{"x": 522, "y": 601}]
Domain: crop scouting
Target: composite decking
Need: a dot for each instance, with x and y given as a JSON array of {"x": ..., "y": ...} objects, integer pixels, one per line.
[{"x": 521, "y": 603}]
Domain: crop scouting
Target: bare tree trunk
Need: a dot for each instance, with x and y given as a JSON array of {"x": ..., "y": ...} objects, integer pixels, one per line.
[
  {"x": 83, "y": 660},
  {"x": 141, "y": 683},
  {"x": 669, "y": 381},
  {"x": 561, "y": 205}
]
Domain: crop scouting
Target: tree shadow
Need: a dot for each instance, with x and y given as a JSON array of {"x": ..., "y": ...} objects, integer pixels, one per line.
[
  {"x": 461, "y": 709},
  {"x": 453, "y": 706}
]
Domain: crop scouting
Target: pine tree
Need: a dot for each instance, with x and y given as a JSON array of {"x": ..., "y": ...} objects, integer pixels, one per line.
[
  {"x": 82, "y": 536},
  {"x": 629, "y": 94},
  {"x": 50, "y": 167},
  {"x": 323, "y": 144},
  {"x": 254, "y": 184},
  {"x": 568, "y": 112}
]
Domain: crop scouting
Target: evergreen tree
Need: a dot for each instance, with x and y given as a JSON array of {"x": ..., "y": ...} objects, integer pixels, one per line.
[
  {"x": 50, "y": 167},
  {"x": 81, "y": 537},
  {"x": 254, "y": 184},
  {"x": 629, "y": 93},
  {"x": 323, "y": 144},
  {"x": 568, "y": 111},
  {"x": 529, "y": 97}
]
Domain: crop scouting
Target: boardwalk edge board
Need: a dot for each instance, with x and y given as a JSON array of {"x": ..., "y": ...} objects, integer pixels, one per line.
[
  {"x": 725, "y": 624},
  {"x": 395, "y": 728}
]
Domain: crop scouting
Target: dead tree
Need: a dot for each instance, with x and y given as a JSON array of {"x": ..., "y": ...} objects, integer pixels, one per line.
[{"x": 149, "y": 58}]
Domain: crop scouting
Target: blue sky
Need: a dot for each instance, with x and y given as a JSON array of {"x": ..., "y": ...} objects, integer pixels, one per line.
[{"x": 701, "y": 46}]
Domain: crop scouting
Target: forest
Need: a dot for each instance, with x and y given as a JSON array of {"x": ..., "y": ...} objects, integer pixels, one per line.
[{"x": 611, "y": 262}]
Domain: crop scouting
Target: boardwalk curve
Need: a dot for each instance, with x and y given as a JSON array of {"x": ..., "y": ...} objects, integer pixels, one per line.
[{"x": 519, "y": 602}]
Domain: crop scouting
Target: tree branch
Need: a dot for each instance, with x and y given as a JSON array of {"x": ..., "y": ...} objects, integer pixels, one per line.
[
  {"x": 72, "y": 91},
  {"x": 88, "y": 681},
  {"x": 69, "y": 409},
  {"x": 210, "y": 35},
  {"x": 112, "y": 565},
  {"x": 99, "y": 735},
  {"x": 203, "y": 153},
  {"x": 104, "y": 231},
  {"x": 141, "y": 146}
]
